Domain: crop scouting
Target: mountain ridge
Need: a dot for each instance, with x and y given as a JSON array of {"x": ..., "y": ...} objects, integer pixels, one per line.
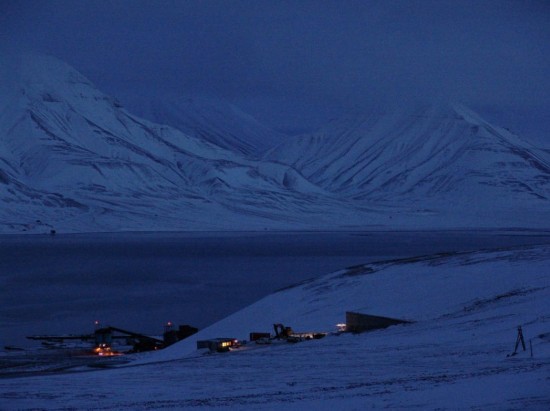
[
  {"x": 428, "y": 151},
  {"x": 60, "y": 134},
  {"x": 213, "y": 120},
  {"x": 74, "y": 158}
]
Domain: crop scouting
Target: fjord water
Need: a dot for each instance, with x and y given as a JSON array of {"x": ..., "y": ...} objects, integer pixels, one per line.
[{"x": 139, "y": 281}]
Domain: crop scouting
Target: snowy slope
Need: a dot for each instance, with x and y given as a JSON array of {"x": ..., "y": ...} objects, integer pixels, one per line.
[
  {"x": 466, "y": 308},
  {"x": 61, "y": 137},
  {"x": 72, "y": 159},
  {"x": 420, "y": 289},
  {"x": 212, "y": 120},
  {"x": 426, "y": 155}
]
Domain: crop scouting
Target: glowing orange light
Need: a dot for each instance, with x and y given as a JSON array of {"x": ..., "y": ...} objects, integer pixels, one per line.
[{"x": 103, "y": 350}]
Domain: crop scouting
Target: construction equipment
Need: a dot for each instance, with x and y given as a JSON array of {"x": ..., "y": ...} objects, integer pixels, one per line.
[{"x": 282, "y": 332}]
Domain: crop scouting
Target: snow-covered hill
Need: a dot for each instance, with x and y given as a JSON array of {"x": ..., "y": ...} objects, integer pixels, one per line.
[
  {"x": 448, "y": 287},
  {"x": 73, "y": 158},
  {"x": 433, "y": 155},
  {"x": 212, "y": 120},
  {"x": 466, "y": 308}
]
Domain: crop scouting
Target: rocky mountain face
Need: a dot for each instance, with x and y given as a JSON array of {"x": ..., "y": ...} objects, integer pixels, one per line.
[{"x": 73, "y": 158}]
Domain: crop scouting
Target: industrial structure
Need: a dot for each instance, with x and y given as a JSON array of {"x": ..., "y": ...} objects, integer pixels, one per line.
[
  {"x": 104, "y": 337},
  {"x": 357, "y": 322}
]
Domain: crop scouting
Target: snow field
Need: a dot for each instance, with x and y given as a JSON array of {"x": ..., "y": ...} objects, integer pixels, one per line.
[{"x": 455, "y": 356}]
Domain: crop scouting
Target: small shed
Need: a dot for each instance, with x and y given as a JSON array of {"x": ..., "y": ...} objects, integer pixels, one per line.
[
  {"x": 357, "y": 322},
  {"x": 218, "y": 344}
]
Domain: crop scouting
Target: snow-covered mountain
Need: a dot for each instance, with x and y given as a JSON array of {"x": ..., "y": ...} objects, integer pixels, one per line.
[
  {"x": 212, "y": 120},
  {"x": 426, "y": 155},
  {"x": 73, "y": 159},
  {"x": 70, "y": 154}
]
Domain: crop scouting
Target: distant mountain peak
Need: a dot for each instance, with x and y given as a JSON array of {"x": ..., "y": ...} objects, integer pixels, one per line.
[
  {"x": 211, "y": 119},
  {"x": 72, "y": 157},
  {"x": 419, "y": 154},
  {"x": 45, "y": 69}
]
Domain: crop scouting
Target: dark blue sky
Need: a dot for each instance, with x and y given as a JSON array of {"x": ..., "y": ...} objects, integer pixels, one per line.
[{"x": 292, "y": 64}]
